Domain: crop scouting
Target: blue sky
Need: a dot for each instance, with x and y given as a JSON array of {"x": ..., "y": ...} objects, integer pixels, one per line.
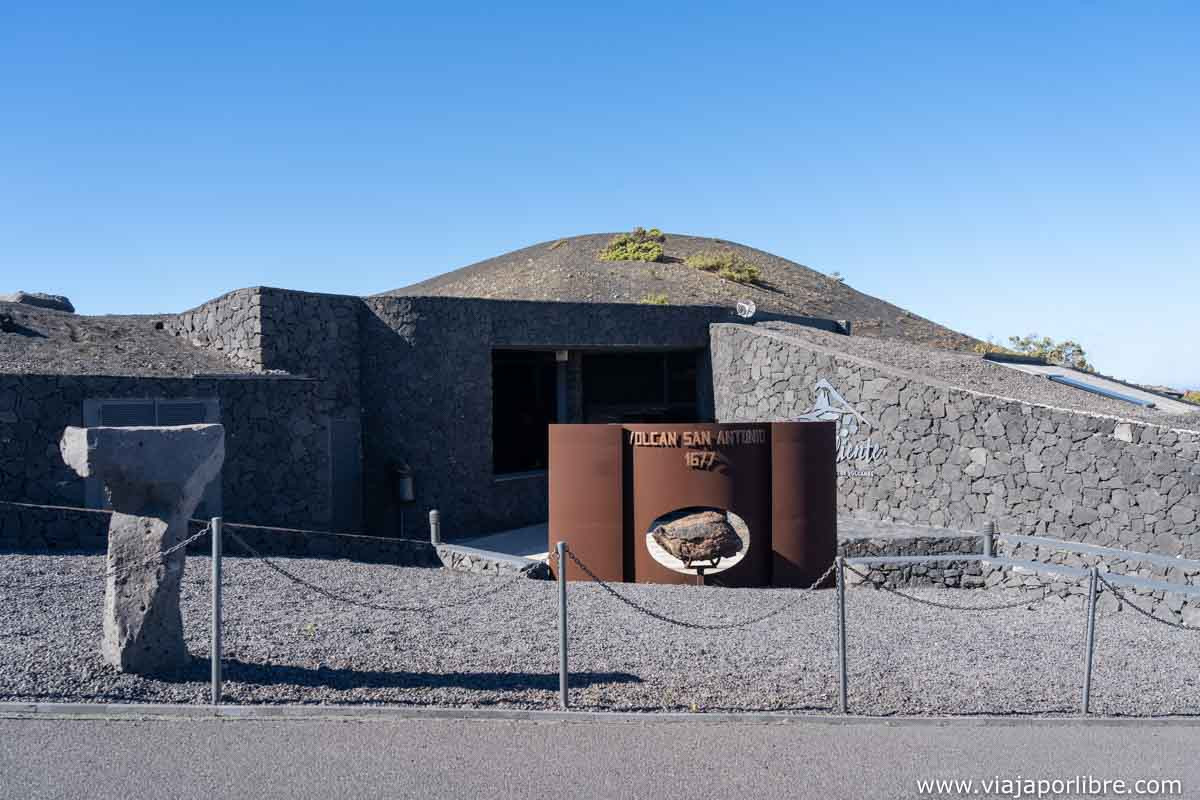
[{"x": 999, "y": 168}]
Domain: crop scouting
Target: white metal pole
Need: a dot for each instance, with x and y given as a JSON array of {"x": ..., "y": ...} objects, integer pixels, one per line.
[
  {"x": 1093, "y": 580},
  {"x": 841, "y": 600},
  {"x": 562, "y": 624},
  {"x": 989, "y": 538},
  {"x": 435, "y": 527},
  {"x": 216, "y": 610}
]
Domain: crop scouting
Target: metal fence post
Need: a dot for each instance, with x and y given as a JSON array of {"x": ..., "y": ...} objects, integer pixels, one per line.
[
  {"x": 216, "y": 610},
  {"x": 562, "y": 624},
  {"x": 841, "y": 600},
  {"x": 1091, "y": 639},
  {"x": 435, "y": 527},
  {"x": 989, "y": 538}
]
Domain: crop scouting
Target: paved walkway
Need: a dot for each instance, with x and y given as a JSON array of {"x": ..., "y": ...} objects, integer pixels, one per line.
[
  {"x": 453, "y": 758},
  {"x": 528, "y": 542}
]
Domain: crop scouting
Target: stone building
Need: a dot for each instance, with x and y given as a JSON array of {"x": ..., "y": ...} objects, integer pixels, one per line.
[
  {"x": 946, "y": 439},
  {"x": 330, "y": 402},
  {"x": 335, "y": 406}
]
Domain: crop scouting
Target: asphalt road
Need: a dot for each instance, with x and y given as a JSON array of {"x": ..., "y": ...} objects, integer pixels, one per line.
[{"x": 449, "y": 758}]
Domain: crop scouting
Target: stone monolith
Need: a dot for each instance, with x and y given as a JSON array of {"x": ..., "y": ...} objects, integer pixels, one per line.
[{"x": 155, "y": 478}]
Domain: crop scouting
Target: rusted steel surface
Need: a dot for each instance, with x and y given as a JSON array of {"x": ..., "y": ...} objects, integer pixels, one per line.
[
  {"x": 738, "y": 480},
  {"x": 803, "y": 508},
  {"x": 587, "y": 505},
  {"x": 610, "y": 484}
]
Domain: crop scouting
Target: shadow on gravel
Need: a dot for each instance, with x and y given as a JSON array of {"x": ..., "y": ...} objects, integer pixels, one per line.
[
  {"x": 1048, "y": 711},
  {"x": 585, "y": 705},
  {"x": 235, "y": 671}
]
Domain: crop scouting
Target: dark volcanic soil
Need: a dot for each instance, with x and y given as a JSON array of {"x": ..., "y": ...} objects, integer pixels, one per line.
[
  {"x": 570, "y": 270},
  {"x": 58, "y": 343}
]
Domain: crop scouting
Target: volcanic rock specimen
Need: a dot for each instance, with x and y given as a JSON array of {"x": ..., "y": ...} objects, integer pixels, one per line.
[
  {"x": 155, "y": 478},
  {"x": 702, "y": 536}
]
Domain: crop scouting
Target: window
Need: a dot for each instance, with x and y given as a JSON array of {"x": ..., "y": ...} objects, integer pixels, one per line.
[
  {"x": 640, "y": 387},
  {"x": 524, "y": 403},
  {"x": 130, "y": 413}
]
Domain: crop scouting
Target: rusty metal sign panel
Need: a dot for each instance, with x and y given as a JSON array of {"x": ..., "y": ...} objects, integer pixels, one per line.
[{"x": 740, "y": 504}]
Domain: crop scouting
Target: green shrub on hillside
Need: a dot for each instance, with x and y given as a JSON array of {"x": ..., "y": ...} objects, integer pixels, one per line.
[
  {"x": 654, "y": 299},
  {"x": 639, "y": 245},
  {"x": 1067, "y": 353},
  {"x": 1192, "y": 397},
  {"x": 983, "y": 348},
  {"x": 725, "y": 263}
]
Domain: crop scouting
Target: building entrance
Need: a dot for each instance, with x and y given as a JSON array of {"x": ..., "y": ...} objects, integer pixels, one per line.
[{"x": 640, "y": 387}]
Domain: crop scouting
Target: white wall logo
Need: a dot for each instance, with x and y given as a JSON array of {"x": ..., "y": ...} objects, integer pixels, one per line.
[{"x": 856, "y": 451}]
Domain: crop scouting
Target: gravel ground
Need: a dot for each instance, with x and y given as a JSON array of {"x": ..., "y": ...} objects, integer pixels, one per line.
[
  {"x": 283, "y": 645},
  {"x": 970, "y": 371},
  {"x": 58, "y": 343}
]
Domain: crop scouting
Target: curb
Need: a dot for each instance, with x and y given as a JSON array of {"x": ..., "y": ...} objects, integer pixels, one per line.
[{"x": 176, "y": 712}]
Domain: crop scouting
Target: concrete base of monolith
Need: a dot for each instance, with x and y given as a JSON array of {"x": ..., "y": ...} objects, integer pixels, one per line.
[{"x": 155, "y": 478}]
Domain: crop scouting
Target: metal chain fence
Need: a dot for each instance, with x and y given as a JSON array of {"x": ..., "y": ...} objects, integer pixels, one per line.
[
  {"x": 1147, "y": 614},
  {"x": 351, "y": 601},
  {"x": 636, "y": 606},
  {"x": 124, "y": 572},
  {"x": 1098, "y": 583},
  {"x": 950, "y": 606}
]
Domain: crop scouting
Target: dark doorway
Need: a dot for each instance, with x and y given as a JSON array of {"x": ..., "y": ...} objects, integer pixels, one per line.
[
  {"x": 524, "y": 402},
  {"x": 640, "y": 387}
]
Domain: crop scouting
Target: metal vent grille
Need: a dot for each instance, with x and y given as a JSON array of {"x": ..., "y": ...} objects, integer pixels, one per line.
[
  {"x": 124, "y": 415},
  {"x": 181, "y": 413},
  {"x": 127, "y": 412}
]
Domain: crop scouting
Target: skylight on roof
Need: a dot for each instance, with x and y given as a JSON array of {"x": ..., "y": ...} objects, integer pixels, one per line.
[{"x": 1100, "y": 390}]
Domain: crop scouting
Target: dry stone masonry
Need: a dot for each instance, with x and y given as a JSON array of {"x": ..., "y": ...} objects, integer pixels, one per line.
[
  {"x": 231, "y": 324},
  {"x": 1167, "y": 606},
  {"x": 263, "y": 416},
  {"x": 155, "y": 478},
  {"x": 871, "y": 539},
  {"x": 915, "y": 450}
]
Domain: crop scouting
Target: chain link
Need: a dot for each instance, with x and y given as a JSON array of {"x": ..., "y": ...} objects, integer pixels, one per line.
[
  {"x": 636, "y": 606},
  {"x": 123, "y": 572},
  {"x": 340, "y": 598},
  {"x": 1149, "y": 615},
  {"x": 308, "y": 532},
  {"x": 949, "y": 606}
]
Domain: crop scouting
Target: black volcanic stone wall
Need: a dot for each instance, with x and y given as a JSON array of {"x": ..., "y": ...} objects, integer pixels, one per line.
[
  {"x": 426, "y": 392},
  {"x": 315, "y": 335},
  {"x": 230, "y": 324},
  {"x": 279, "y": 331},
  {"x": 427, "y": 396},
  {"x": 36, "y": 529},
  {"x": 276, "y": 463},
  {"x": 409, "y": 378},
  {"x": 951, "y": 457}
]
